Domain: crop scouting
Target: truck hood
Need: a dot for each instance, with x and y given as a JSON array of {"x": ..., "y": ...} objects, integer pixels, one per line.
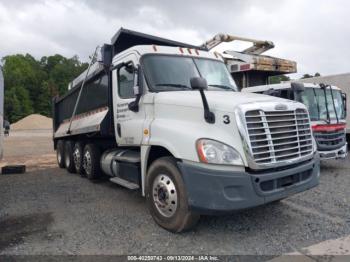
[{"x": 218, "y": 100}]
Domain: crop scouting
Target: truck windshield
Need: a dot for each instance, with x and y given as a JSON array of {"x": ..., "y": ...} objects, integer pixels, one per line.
[
  {"x": 315, "y": 100},
  {"x": 172, "y": 73}
]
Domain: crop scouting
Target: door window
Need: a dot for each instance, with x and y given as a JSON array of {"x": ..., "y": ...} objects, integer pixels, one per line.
[{"x": 126, "y": 78}]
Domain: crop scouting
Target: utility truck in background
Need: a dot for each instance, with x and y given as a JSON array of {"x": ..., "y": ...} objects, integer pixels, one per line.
[
  {"x": 327, "y": 109},
  {"x": 165, "y": 117},
  {"x": 249, "y": 67}
]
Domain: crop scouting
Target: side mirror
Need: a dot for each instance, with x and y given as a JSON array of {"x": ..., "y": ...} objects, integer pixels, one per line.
[
  {"x": 198, "y": 83},
  {"x": 134, "y": 105},
  {"x": 343, "y": 95},
  {"x": 137, "y": 89}
]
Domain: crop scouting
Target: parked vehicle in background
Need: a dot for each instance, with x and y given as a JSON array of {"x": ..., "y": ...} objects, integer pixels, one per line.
[
  {"x": 165, "y": 117},
  {"x": 1, "y": 113},
  {"x": 327, "y": 108},
  {"x": 340, "y": 80}
]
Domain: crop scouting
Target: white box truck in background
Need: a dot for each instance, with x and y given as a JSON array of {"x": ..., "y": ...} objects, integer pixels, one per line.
[
  {"x": 165, "y": 117},
  {"x": 327, "y": 109}
]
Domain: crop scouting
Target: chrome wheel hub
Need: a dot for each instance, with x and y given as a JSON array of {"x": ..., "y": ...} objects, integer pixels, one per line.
[
  {"x": 87, "y": 162},
  {"x": 164, "y": 195},
  {"x": 76, "y": 158}
]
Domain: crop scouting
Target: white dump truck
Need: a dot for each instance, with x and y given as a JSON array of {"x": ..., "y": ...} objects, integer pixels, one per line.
[
  {"x": 165, "y": 118},
  {"x": 327, "y": 108}
]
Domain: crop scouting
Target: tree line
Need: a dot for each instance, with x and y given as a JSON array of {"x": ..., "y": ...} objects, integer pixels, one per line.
[
  {"x": 283, "y": 78},
  {"x": 31, "y": 84}
]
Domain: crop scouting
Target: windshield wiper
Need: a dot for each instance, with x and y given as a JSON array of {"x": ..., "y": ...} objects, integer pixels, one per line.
[
  {"x": 335, "y": 110},
  {"x": 175, "y": 85},
  {"x": 323, "y": 86},
  {"x": 223, "y": 87}
]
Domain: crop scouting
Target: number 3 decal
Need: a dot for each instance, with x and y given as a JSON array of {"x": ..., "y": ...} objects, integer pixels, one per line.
[{"x": 226, "y": 119}]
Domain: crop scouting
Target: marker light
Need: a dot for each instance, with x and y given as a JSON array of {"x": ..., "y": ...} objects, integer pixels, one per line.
[{"x": 328, "y": 128}]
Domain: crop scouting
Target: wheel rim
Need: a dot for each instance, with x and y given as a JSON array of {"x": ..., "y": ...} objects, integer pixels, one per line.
[
  {"x": 87, "y": 162},
  {"x": 67, "y": 159},
  {"x": 76, "y": 158},
  {"x": 164, "y": 195}
]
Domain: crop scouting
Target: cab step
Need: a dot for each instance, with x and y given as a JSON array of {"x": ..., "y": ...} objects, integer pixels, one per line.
[{"x": 124, "y": 183}]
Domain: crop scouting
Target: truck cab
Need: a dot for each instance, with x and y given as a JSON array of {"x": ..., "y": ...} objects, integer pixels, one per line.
[
  {"x": 327, "y": 108},
  {"x": 166, "y": 118}
]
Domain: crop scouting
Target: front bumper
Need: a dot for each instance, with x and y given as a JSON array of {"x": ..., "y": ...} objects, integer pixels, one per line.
[
  {"x": 214, "y": 191},
  {"x": 336, "y": 153}
]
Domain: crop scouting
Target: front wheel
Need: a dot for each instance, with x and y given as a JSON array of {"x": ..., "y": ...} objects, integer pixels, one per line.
[{"x": 167, "y": 198}]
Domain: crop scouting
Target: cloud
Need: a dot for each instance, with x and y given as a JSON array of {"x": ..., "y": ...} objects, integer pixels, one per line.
[{"x": 314, "y": 33}]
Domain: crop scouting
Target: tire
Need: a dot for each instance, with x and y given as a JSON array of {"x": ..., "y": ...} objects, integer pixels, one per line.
[
  {"x": 167, "y": 198},
  {"x": 91, "y": 161},
  {"x": 60, "y": 154},
  {"x": 78, "y": 151},
  {"x": 68, "y": 157}
]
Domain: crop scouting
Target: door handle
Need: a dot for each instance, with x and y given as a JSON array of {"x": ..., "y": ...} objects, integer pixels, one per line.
[{"x": 119, "y": 130}]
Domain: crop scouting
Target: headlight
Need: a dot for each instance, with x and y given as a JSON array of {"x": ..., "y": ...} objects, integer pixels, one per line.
[{"x": 214, "y": 152}]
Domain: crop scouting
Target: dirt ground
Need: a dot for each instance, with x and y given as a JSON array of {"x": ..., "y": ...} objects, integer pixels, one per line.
[
  {"x": 31, "y": 148},
  {"x": 49, "y": 211}
]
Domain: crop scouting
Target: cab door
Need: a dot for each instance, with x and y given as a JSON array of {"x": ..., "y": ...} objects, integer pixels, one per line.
[{"x": 128, "y": 124}]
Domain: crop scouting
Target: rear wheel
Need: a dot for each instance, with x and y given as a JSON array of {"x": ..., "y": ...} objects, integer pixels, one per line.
[
  {"x": 78, "y": 152},
  {"x": 91, "y": 161},
  {"x": 167, "y": 198},
  {"x": 60, "y": 154},
  {"x": 68, "y": 157}
]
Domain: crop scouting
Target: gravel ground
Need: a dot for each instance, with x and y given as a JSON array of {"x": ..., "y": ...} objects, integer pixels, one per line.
[{"x": 49, "y": 211}]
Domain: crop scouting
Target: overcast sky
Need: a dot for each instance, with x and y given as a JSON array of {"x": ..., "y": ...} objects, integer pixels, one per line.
[{"x": 315, "y": 33}]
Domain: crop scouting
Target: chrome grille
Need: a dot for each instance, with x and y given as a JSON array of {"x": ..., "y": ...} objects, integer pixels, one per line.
[
  {"x": 276, "y": 136},
  {"x": 328, "y": 140}
]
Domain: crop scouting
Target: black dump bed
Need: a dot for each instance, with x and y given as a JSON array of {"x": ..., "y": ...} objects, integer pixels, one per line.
[{"x": 94, "y": 110}]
